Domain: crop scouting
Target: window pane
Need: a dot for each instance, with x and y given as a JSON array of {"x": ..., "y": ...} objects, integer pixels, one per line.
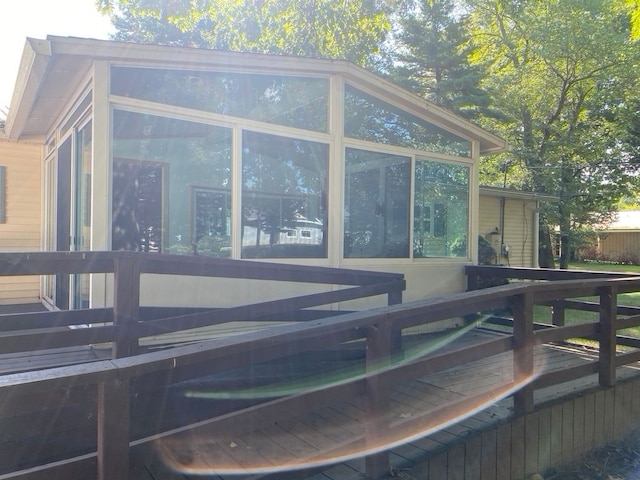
[
  {"x": 284, "y": 182},
  {"x": 284, "y": 207},
  {"x": 171, "y": 185},
  {"x": 371, "y": 119},
  {"x": 441, "y": 209},
  {"x": 299, "y": 102},
  {"x": 376, "y": 222}
]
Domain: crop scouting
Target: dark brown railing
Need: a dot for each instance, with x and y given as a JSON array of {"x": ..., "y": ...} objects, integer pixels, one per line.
[
  {"x": 126, "y": 322},
  {"x": 116, "y": 380}
]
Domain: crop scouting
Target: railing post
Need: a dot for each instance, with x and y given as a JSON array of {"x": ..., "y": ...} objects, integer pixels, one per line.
[
  {"x": 395, "y": 298},
  {"x": 557, "y": 313},
  {"x": 608, "y": 332},
  {"x": 523, "y": 351},
  {"x": 473, "y": 281},
  {"x": 377, "y": 398},
  {"x": 126, "y": 302},
  {"x": 113, "y": 429}
]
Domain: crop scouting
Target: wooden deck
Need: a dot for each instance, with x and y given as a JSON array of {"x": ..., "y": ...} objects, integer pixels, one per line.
[
  {"x": 324, "y": 396},
  {"x": 328, "y": 443}
]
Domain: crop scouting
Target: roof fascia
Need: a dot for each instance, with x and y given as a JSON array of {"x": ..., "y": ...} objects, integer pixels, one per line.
[
  {"x": 504, "y": 193},
  {"x": 33, "y": 67}
]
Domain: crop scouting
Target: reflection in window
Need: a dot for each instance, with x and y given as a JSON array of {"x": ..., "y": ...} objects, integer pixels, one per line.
[
  {"x": 137, "y": 217},
  {"x": 157, "y": 163},
  {"x": 377, "y": 189},
  {"x": 284, "y": 183},
  {"x": 441, "y": 209},
  {"x": 368, "y": 118},
  {"x": 300, "y": 102},
  {"x": 211, "y": 222}
]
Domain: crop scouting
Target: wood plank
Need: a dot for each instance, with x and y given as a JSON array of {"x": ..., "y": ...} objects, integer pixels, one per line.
[
  {"x": 544, "y": 439},
  {"x": 503, "y": 446},
  {"x": 609, "y": 419},
  {"x": 517, "y": 448},
  {"x": 578, "y": 428},
  {"x": 531, "y": 443},
  {"x": 589, "y": 421},
  {"x": 636, "y": 404},
  {"x": 568, "y": 454},
  {"x": 599, "y": 419},
  {"x": 488, "y": 468},
  {"x": 456, "y": 461},
  {"x": 438, "y": 466},
  {"x": 472, "y": 458}
]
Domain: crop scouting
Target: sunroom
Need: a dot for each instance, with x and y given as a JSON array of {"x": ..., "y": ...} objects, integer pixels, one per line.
[{"x": 268, "y": 158}]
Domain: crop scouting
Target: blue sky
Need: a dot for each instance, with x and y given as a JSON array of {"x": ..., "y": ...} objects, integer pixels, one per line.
[{"x": 37, "y": 19}]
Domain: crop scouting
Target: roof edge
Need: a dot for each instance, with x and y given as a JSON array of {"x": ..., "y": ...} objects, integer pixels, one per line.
[
  {"x": 519, "y": 194},
  {"x": 33, "y": 67}
]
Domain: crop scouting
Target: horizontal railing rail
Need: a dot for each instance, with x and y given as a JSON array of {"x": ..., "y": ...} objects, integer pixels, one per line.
[
  {"x": 125, "y": 323},
  {"x": 115, "y": 379}
]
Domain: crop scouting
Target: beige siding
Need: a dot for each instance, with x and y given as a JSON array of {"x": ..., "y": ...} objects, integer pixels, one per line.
[
  {"x": 21, "y": 230},
  {"x": 517, "y": 229},
  {"x": 617, "y": 245}
]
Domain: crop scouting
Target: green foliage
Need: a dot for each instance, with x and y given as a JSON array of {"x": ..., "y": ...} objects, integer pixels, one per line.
[
  {"x": 430, "y": 58},
  {"x": 563, "y": 70},
  {"x": 325, "y": 28}
]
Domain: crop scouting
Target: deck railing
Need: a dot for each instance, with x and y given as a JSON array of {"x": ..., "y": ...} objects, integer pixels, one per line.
[
  {"x": 115, "y": 379},
  {"x": 126, "y": 322}
]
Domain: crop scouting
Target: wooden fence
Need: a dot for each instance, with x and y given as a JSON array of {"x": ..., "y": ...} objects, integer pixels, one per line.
[{"x": 114, "y": 379}]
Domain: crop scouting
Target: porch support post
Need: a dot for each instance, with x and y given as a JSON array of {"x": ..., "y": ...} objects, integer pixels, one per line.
[
  {"x": 113, "y": 429},
  {"x": 377, "y": 398},
  {"x": 523, "y": 352},
  {"x": 126, "y": 303},
  {"x": 608, "y": 332}
]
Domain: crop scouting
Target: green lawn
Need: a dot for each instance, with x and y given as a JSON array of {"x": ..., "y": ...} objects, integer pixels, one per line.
[{"x": 574, "y": 316}]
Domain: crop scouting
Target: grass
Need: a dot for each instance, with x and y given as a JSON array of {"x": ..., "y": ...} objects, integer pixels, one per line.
[{"x": 576, "y": 316}]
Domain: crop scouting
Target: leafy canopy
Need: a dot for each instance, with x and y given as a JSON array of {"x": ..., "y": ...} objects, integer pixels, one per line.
[{"x": 351, "y": 29}]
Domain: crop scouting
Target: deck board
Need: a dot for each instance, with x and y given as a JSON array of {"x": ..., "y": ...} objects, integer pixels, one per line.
[{"x": 331, "y": 429}]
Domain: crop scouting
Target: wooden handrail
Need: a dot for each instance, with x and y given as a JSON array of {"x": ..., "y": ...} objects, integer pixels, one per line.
[{"x": 113, "y": 378}]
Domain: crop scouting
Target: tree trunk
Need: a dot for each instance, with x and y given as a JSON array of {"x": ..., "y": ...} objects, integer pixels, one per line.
[{"x": 545, "y": 248}]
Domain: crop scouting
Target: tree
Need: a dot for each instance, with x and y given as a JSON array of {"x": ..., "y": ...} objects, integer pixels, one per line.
[
  {"x": 430, "y": 57},
  {"x": 351, "y": 29},
  {"x": 560, "y": 67}
]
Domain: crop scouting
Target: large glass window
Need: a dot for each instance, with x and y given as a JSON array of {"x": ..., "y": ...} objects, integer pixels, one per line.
[
  {"x": 284, "y": 204},
  {"x": 163, "y": 170},
  {"x": 301, "y": 102},
  {"x": 371, "y": 119},
  {"x": 441, "y": 209},
  {"x": 376, "y": 209}
]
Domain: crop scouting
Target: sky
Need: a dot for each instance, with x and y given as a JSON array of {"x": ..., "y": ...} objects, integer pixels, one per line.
[{"x": 37, "y": 19}]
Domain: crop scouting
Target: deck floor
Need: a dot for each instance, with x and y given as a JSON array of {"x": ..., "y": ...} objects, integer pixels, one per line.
[
  {"x": 328, "y": 443},
  {"x": 335, "y": 434}
]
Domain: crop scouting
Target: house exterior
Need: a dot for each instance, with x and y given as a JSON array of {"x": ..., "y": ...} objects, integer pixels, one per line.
[
  {"x": 620, "y": 240},
  {"x": 200, "y": 152},
  {"x": 509, "y": 221},
  {"x": 20, "y": 213}
]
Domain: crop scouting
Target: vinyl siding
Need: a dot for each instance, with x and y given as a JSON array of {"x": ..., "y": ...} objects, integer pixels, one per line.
[
  {"x": 518, "y": 229},
  {"x": 21, "y": 230},
  {"x": 617, "y": 245}
]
